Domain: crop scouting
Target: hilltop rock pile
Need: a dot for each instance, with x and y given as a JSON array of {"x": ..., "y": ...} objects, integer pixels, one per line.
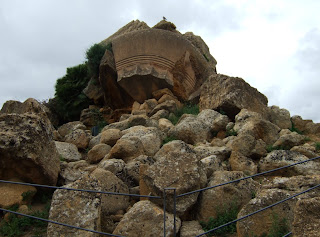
[{"x": 180, "y": 125}]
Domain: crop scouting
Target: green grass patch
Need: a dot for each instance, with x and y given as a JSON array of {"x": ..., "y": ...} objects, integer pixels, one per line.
[
  {"x": 294, "y": 129},
  {"x": 317, "y": 146},
  {"x": 226, "y": 214},
  {"x": 231, "y": 132},
  {"x": 270, "y": 148},
  {"x": 168, "y": 139},
  {"x": 186, "y": 109}
]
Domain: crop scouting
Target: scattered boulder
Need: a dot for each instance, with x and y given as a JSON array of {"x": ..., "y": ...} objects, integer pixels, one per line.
[
  {"x": 15, "y": 194},
  {"x": 145, "y": 219},
  {"x": 132, "y": 169},
  {"x": 248, "y": 122},
  {"x": 20, "y": 156},
  {"x": 289, "y": 140},
  {"x": 67, "y": 151},
  {"x": 280, "y": 117},
  {"x": 307, "y": 218},
  {"x": 239, "y": 162},
  {"x": 179, "y": 162},
  {"x": 237, "y": 194},
  {"x": 97, "y": 153},
  {"x": 231, "y": 95},
  {"x": 211, "y": 164},
  {"x": 67, "y": 128},
  {"x": 261, "y": 223},
  {"x": 279, "y": 158},
  {"x": 79, "y": 137},
  {"x": 191, "y": 229},
  {"x": 83, "y": 208},
  {"x": 221, "y": 153},
  {"x": 306, "y": 150},
  {"x": 72, "y": 171},
  {"x": 115, "y": 166}
]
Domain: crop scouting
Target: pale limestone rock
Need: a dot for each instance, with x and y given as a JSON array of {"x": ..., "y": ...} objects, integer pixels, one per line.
[
  {"x": 279, "y": 158},
  {"x": 165, "y": 125},
  {"x": 307, "y": 218},
  {"x": 132, "y": 169},
  {"x": 231, "y": 94},
  {"x": 306, "y": 150},
  {"x": 232, "y": 194},
  {"x": 261, "y": 223},
  {"x": 221, "y": 153},
  {"x": 78, "y": 137},
  {"x": 211, "y": 164},
  {"x": 12, "y": 194},
  {"x": 27, "y": 150},
  {"x": 67, "y": 128},
  {"x": 97, "y": 153},
  {"x": 290, "y": 140},
  {"x": 115, "y": 166},
  {"x": 280, "y": 117},
  {"x": 179, "y": 162},
  {"x": 145, "y": 219},
  {"x": 67, "y": 151},
  {"x": 81, "y": 209},
  {"x": 248, "y": 122},
  {"x": 72, "y": 171},
  {"x": 239, "y": 162},
  {"x": 191, "y": 229},
  {"x": 160, "y": 114},
  {"x": 243, "y": 144},
  {"x": 214, "y": 120}
]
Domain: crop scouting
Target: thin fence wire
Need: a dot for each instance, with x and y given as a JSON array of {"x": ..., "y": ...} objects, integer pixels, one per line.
[
  {"x": 260, "y": 210},
  {"x": 290, "y": 233},
  {"x": 80, "y": 190},
  {"x": 164, "y": 200},
  {"x": 247, "y": 177}
]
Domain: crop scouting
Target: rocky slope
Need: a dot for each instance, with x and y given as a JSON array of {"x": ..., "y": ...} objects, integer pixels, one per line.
[{"x": 235, "y": 134}]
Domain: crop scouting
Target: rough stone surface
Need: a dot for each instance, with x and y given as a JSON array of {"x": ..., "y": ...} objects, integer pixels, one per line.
[
  {"x": 160, "y": 114},
  {"x": 97, "y": 153},
  {"x": 67, "y": 151},
  {"x": 243, "y": 144},
  {"x": 239, "y": 162},
  {"x": 307, "y": 218},
  {"x": 72, "y": 171},
  {"x": 67, "y": 128},
  {"x": 190, "y": 130},
  {"x": 280, "y": 117},
  {"x": 81, "y": 209},
  {"x": 221, "y": 153},
  {"x": 231, "y": 94},
  {"x": 289, "y": 140},
  {"x": 211, "y": 164},
  {"x": 79, "y": 137},
  {"x": 179, "y": 162},
  {"x": 94, "y": 91},
  {"x": 279, "y": 158},
  {"x": 191, "y": 229},
  {"x": 132, "y": 169},
  {"x": 252, "y": 123},
  {"x": 115, "y": 166},
  {"x": 145, "y": 219},
  {"x": 261, "y": 223},
  {"x": 306, "y": 150},
  {"x": 27, "y": 150},
  {"x": 236, "y": 193},
  {"x": 11, "y": 194}
]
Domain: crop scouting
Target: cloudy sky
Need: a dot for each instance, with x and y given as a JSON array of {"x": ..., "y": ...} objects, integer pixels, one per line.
[{"x": 272, "y": 44}]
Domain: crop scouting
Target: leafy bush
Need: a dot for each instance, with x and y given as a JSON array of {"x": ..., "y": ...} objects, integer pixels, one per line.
[
  {"x": 69, "y": 98},
  {"x": 317, "y": 145},
  {"x": 270, "y": 148},
  {"x": 294, "y": 129},
  {"x": 168, "y": 139},
  {"x": 226, "y": 214},
  {"x": 94, "y": 55},
  {"x": 186, "y": 109}
]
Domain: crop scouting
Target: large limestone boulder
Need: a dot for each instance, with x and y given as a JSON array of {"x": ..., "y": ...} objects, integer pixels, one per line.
[
  {"x": 231, "y": 95},
  {"x": 136, "y": 141},
  {"x": 279, "y": 158},
  {"x": 261, "y": 223},
  {"x": 110, "y": 136},
  {"x": 307, "y": 218},
  {"x": 76, "y": 208},
  {"x": 252, "y": 123},
  {"x": 145, "y": 219},
  {"x": 235, "y": 194},
  {"x": 71, "y": 171},
  {"x": 191, "y": 229},
  {"x": 79, "y": 137},
  {"x": 14, "y": 194},
  {"x": 179, "y": 162},
  {"x": 280, "y": 117},
  {"x": 97, "y": 153},
  {"x": 239, "y": 162},
  {"x": 94, "y": 91},
  {"x": 67, "y": 128},
  {"x": 27, "y": 150},
  {"x": 67, "y": 151},
  {"x": 289, "y": 139}
]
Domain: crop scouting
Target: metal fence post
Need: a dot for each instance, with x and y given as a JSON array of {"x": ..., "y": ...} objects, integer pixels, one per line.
[{"x": 164, "y": 212}]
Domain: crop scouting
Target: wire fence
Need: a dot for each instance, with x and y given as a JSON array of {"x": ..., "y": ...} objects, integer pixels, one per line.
[{"x": 165, "y": 201}]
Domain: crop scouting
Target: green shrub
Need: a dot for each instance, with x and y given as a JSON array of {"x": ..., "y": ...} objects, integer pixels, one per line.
[
  {"x": 279, "y": 226},
  {"x": 226, "y": 214},
  {"x": 294, "y": 129},
  {"x": 69, "y": 98},
  {"x": 94, "y": 55},
  {"x": 231, "y": 132},
  {"x": 317, "y": 146},
  {"x": 186, "y": 109},
  {"x": 270, "y": 148},
  {"x": 168, "y": 139}
]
